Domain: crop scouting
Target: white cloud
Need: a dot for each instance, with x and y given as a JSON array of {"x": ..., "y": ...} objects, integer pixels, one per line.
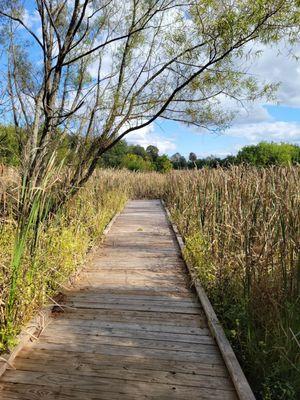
[
  {"x": 277, "y": 131},
  {"x": 147, "y": 135},
  {"x": 253, "y": 123},
  {"x": 278, "y": 64},
  {"x": 253, "y": 113},
  {"x": 31, "y": 19},
  {"x": 26, "y": 18},
  {"x": 213, "y": 153}
]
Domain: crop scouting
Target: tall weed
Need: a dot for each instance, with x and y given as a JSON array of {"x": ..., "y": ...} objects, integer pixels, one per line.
[{"x": 241, "y": 227}]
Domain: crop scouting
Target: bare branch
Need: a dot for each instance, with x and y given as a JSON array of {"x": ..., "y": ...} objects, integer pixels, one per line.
[{"x": 11, "y": 17}]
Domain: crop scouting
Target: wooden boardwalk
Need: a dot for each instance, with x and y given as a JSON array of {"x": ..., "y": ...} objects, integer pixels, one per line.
[{"x": 132, "y": 329}]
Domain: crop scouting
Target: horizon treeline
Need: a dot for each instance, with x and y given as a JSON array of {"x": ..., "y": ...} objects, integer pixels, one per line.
[{"x": 135, "y": 157}]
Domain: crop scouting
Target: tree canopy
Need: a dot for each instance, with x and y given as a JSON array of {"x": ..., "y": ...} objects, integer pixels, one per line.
[
  {"x": 97, "y": 70},
  {"x": 135, "y": 158},
  {"x": 102, "y": 69},
  {"x": 265, "y": 154}
]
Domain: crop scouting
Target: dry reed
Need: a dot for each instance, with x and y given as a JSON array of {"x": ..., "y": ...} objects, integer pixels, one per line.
[{"x": 241, "y": 227}]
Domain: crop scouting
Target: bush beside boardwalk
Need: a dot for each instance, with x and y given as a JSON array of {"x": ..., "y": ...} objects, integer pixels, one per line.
[{"x": 62, "y": 245}]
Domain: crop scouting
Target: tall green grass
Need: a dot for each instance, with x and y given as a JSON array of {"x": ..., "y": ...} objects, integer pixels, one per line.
[{"x": 38, "y": 252}]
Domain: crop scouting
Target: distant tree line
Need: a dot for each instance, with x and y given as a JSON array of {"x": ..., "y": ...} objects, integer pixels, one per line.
[
  {"x": 261, "y": 155},
  {"x": 138, "y": 158},
  {"x": 122, "y": 155}
]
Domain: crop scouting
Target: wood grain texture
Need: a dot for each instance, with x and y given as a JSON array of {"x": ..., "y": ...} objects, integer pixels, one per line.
[{"x": 131, "y": 326}]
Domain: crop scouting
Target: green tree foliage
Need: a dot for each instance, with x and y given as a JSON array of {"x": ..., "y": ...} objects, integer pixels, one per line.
[
  {"x": 261, "y": 155},
  {"x": 265, "y": 154},
  {"x": 192, "y": 157},
  {"x": 210, "y": 162},
  {"x": 178, "y": 161},
  {"x": 114, "y": 156},
  {"x": 9, "y": 145},
  {"x": 152, "y": 152},
  {"x": 136, "y": 158},
  {"x": 133, "y": 162},
  {"x": 138, "y": 150},
  {"x": 163, "y": 164},
  {"x": 122, "y": 155}
]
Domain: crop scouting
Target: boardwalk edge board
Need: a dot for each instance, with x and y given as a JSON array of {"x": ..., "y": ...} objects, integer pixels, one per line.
[
  {"x": 239, "y": 380},
  {"x": 37, "y": 324}
]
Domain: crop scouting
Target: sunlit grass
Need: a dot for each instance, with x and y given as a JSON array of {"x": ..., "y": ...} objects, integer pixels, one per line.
[
  {"x": 33, "y": 265},
  {"x": 241, "y": 227}
]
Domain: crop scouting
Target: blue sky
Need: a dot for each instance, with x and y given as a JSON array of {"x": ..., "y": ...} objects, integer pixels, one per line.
[
  {"x": 176, "y": 137},
  {"x": 270, "y": 122},
  {"x": 281, "y": 124},
  {"x": 278, "y": 121}
]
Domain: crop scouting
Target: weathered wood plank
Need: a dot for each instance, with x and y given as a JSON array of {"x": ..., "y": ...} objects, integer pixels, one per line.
[
  {"x": 164, "y": 318},
  {"x": 127, "y": 372},
  {"x": 127, "y": 391},
  {"x": 135, "y": 297},
  {"x": 138, "y": 306},
  {"x": 102, "y": 361},
  {"x": 153, "y": 292},
  {"x": 130, "y": 326},
  {"x": 130, "y": 333},
  {"x": 160, "y": 354},
  {"x": 91, "y": 341},
  {"x": 96, "y": 384}
]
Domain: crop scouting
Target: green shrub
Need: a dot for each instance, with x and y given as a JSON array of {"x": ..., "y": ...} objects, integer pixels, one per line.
[{"x": 62, "y": 245}]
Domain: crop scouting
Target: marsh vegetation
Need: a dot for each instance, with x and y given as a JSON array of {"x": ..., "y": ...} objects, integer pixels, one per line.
[{"x": 241, "y": 228}]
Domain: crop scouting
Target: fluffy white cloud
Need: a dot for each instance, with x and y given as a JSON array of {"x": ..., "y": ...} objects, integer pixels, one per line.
[
  {"x": 253, "y": 123},
  {"x": 278, "y": 131},
  {"x": 147, "y": 135},
  {"x": 279, "y": 64},
  {"x": 252, "y": 113},
  {"x": 275, "y": 64}
]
